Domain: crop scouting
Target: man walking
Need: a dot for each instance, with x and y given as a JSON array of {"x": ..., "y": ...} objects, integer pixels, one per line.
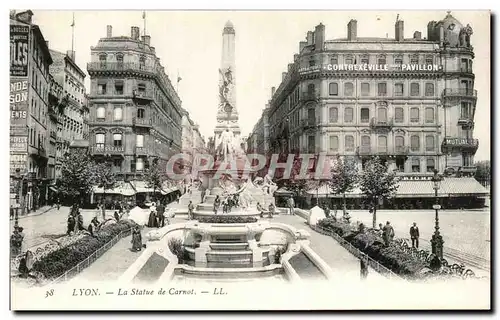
[
  {"x": 190, "y": 210},
  {"x": 160, "y": 209},
  {"x": 291, "y": 205},
  {"x": 414, "y": 235},
  {"x": 388, "y": 233}
]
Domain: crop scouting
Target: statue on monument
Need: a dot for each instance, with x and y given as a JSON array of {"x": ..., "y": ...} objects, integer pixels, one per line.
[{"x": 226, "y": 148}]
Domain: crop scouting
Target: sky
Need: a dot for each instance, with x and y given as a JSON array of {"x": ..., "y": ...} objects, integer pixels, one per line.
[{"x": 189, "y": 43}]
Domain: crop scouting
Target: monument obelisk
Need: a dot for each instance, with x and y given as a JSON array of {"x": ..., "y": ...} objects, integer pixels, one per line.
[{"x": 227, "y": 114}]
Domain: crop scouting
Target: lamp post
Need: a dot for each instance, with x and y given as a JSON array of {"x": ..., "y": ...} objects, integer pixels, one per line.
[{"x": 437, "y": 239}]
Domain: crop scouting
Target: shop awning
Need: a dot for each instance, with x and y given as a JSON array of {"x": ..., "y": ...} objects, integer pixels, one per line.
[
  {"x": 450, "y": 187},
  {"x": 463, "y": 187},
  {"x": 123, "y": 188}
]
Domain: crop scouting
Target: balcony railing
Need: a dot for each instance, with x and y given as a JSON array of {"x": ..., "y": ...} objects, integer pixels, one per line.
[
  {"x": 144, "y": 95},
  {"x": 460, "y": 92},
  {"x": 140, "y": 151},
  {"x": 142, "y": 122},
  {"x": 465, "y": 120},
  {"x": 364, "y": 150},
  {"x": 118, "y": 66},
  {"x": 106, "y": 149},
  {"x": 309, "y": 96},
  {"x": 401, "y": 150},
  {"x": 381, "y": 123},
  {"x": 53, "y": 134},
  {"x": 309, "y": 123},
  {"x": 460, "y": 143}
]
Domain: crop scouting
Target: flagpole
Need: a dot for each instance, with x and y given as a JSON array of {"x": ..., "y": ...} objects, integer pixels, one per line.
[
  {"x": 73, "y": 35},
  {"x": 144, "y": 18}
]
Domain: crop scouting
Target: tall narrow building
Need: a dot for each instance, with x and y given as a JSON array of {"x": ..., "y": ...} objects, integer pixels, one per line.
[
  {"x": 227, "y": 113},
  {"x": 135, "y": 112}
]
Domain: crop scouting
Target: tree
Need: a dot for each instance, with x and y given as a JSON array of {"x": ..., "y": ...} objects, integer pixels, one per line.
[
  {"x": 377, "y": 183},
  {"x": 344, "y": 176},
  {"x": 103, "y": 177},
  {"x": 154, "y": 177},
  {"x": 483, "y": 172},
  {"x": 75, "y": 181}
]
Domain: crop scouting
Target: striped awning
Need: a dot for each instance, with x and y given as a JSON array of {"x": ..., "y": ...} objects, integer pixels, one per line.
[
  {"x": 142, "y": 187},
  {"x": 450, "y": 187},
  {"x": 123, "y": 188}
]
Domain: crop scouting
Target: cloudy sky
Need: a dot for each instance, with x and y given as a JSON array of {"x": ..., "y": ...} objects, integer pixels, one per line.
[{"x": 189, "y": 43}]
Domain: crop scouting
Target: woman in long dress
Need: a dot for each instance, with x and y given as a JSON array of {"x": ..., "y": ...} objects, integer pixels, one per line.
[
  {"x": 136, "y": 239},
  {"x": 152, "y": 221}
]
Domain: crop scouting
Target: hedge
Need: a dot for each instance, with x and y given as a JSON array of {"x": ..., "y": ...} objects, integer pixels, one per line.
[
  {"x": 372, "y": 244},
  {"x": 58, "y": 262},
  {"x": 226, "y": 219}
]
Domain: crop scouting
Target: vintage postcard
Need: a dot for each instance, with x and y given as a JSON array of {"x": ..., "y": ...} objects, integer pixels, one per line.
[{"x": 250, "y": 160}]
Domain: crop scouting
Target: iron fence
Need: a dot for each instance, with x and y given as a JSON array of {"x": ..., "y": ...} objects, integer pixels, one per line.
[
  {"x": 375, "y": 265},
  {"x": 92, "y": 258}
]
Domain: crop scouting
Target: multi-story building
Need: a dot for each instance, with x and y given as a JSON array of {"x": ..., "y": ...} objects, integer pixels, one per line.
[
  {"x": 55, "y": 109},
  {"x": 135, "y": 113},
  {"x": 199, "y": 144},
  {"x": 29, "y": 130},
  {"x": 258, "y": 139},
  {"x": 73, "y": 110},
  {"x": 410, "y": 101}
]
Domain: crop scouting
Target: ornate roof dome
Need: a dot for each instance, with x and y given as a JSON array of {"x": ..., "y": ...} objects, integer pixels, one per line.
[
  {"x": 228, "y": 24},
  {"x": 450, "y": 23},
  {"x": 228, "y": 28}
]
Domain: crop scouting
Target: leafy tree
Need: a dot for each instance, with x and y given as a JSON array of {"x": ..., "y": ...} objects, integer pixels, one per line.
[
  {"x": 344, "y": 176},
  {"x": 75, "y": 182},
  {"x": 154, "y": 177},
  {"x": 103, "y": 177},
  {"x": 483, "y": 172},
  {"x": 377, "y": 183}
]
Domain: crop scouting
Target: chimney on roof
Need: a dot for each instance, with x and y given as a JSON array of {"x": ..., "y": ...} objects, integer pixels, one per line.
[
  {"x": 283, "y": 76},
  {"x": 109, "y": 31},
  {"x": 310, "y": 38},
  {"x": 302, "y": 45},
  {"x": 319, "y": 37},
  {"x": 352, "y": 30},
  {"x": 400, "y": 34},
  {"x": 134, "y": 33},
  {"x": 417, "y": 35},
  {"x": 146, "y": 40},
  {"x": 71, "y": 54},
  {"x": 273, "y": 90},
  {"x": 295, "y": 57}
]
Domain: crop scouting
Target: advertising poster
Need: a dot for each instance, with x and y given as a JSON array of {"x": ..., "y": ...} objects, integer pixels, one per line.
[{"x": 19, "y": 39}]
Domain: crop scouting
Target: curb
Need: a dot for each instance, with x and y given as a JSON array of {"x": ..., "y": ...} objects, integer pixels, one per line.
[{"x": 34, "y": 214}]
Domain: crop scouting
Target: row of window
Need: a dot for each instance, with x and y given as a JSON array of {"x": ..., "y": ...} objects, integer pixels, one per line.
[
  {"x": 36, "y": 139},
  {"x": 381, "y": 115},
  {"x": 350, "y": 90},
  {"x": 381, "y": 59},
  {"x": 103, "y": 57},
  {"x": 399, "y": 142},
  {"x": 100, "y": 140}
]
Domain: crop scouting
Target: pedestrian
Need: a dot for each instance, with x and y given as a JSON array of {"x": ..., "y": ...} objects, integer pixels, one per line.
[
  {"x": 380, "y": 229},
  {"x": 414, "y": 235},
  {"x": 16, "y": 241},
  {"x": 388, "y": 233},
  {"x": 190, "y": 210},
  {"x": 117, "y": 216},
  {"x": 291, "y": 205},
  {"x": 347, "y": 217},
  {"x": 327, "y": 211},
  {"x": 363, "y": 266},
  {"x": 71, "y": 224},
  {"x": 271, "y": 210},
  {"x": 335, "y": 211},
  {"x": 216, "y": 204},
  {"x": 152, "y": 221},
  {"x": 160, "y": 209},
  {"x": 260, "y": 209},
  {"x": 136, "y": 239},
  {"x": 79, "y": 220}
]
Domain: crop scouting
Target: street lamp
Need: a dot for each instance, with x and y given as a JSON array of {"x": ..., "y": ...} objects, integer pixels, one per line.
[{"x": 437, "y": 239}]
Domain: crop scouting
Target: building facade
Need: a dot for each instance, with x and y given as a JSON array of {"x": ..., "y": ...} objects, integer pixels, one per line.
[
  {"x": 258, "y": 139},
  {"x": 408, "y": 101},
  {"x": 29, "y": 95},
  {"x": 135, "y": 113},
  {"x": 72, "y": 108}
]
